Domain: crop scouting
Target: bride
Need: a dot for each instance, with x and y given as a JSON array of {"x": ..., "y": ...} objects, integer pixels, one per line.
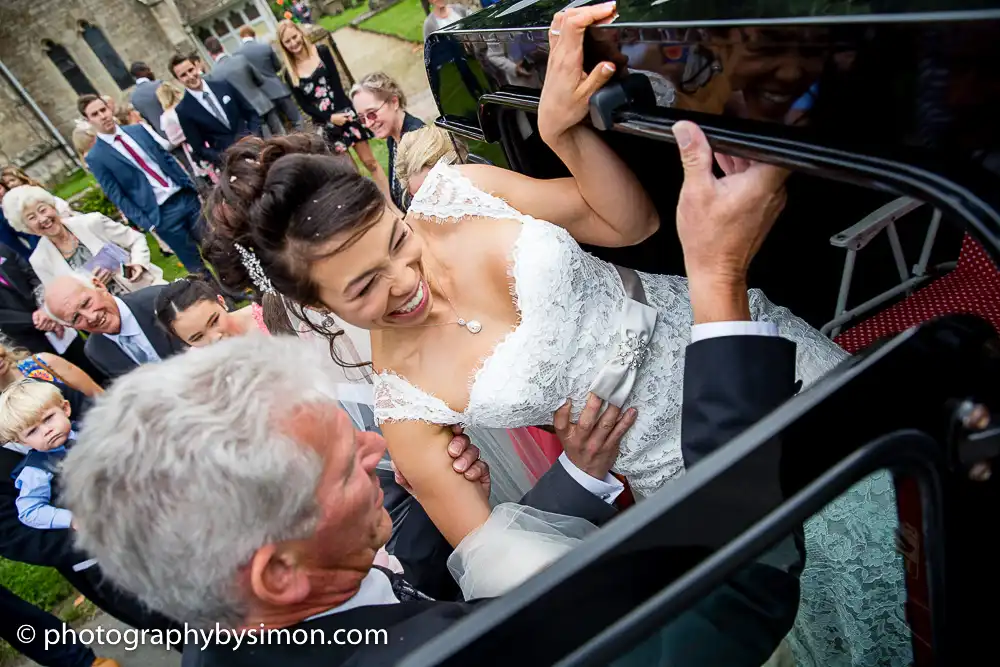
[{"x": 484, "y": 311}]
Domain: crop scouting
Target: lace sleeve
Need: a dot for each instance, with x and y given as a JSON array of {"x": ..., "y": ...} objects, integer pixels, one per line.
[
  {"x": 448, "y": 195},
  {"x": 815, "y": 354},
  {"x": 398, "y": 400}
]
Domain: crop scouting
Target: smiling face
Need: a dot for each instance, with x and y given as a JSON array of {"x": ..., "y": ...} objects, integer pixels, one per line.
[
  {"x": 206, "y": 322},
  {"x": 375, "y": 279},
  {"x": 91, "y": 309},
  {"x": 11, "y": 181},
  {"x": 42, "y": 219},
  {"x": 773, "y": 69},
  {"x": 100, "y": 116},
  {"x": 292, "y": 40},
  {"x": 383, "y": 117},
  {"x": 188, "y": 74},
  {"x": 50, "y": 431}
]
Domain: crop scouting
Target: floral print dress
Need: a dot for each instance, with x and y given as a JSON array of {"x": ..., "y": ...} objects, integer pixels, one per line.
[{"x": 321, "y": 95}]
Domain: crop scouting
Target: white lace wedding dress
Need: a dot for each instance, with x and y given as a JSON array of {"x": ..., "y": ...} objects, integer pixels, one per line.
[{"x": 569, "y": 304}]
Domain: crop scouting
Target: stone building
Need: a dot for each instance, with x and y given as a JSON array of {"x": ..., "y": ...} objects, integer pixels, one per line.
[{"x": 52, "y": 51}]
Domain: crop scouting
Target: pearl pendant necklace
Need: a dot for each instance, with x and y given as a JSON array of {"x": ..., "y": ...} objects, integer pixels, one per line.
[{"x": 474, "y": 326}]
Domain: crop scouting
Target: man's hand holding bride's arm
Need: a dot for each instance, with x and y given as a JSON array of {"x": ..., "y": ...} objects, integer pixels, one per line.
[
  {"x": 603, "y": 203},
  {"x": 466, "y": 463},
  {"x": 422, "y": 452},
  {"x": 591, "y": 443},
  {"x": 721, "y": 223}
]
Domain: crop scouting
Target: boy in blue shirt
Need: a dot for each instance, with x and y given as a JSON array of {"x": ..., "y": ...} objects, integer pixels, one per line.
[{"x": 35, "y": 415}]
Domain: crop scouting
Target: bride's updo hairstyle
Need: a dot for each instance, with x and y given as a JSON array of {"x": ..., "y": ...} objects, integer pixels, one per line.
[{"x": 284, "y": 198}]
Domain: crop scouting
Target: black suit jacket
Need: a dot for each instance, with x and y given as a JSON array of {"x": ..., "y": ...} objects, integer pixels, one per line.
[
  {"x": 408, "y": 624},
  {"x": 205, "y": 133},
  {"x": 110, "y": 358},
  {"x": 17, "y": 301},
  {"x": 730, "y": 383}
]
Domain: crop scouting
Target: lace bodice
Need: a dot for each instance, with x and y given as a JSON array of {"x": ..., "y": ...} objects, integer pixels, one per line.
[{"x": 570, "y": 302}]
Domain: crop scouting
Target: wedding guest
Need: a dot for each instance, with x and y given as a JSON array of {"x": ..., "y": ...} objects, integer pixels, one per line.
[
  {"x": 213, "y": 115},
  {"x": 17, "y": 363},
  {"x": 315, "y": 82},
  {"x": 263, "y": 57},
  {"x": 420, "y": 150},
  {"x": 381, "y": 105},
  {"x": 237, "y": 71},
  {"x": 146, "y": 184},
  {"x": 305, "y": 562},
  {"x": 193, "y": 311},
  {"x": 90, "y": 243},
  {"x": 144, "y": 96},
  {"x": 123, "y": 330},
  {"x": 170, "y": 95},
  {"x": 24, "y": 322},
  {"x": 20, "y": 243},
  {"x": 12, "y": 177},
  {"x": 83, "y": 139}
]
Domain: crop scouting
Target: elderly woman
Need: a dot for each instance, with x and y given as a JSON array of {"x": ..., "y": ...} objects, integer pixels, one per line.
[
  {"x": 381, "y": 106},
  {"x": 89, "y": 243},
  {"x": 13, "y": 177}
]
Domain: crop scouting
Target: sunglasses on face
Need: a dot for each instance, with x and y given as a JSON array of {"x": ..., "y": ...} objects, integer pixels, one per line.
[{"x": 372, "y": 116}]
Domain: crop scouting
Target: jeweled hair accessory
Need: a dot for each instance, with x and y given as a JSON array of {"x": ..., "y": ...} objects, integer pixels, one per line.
[{"x": 256, "y": 271}]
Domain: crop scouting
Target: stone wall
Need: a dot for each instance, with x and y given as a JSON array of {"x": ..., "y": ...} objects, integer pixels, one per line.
[{"x": 129, "y": 25}]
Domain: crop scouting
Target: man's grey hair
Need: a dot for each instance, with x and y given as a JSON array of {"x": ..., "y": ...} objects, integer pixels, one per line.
[
  {"x": 183, "y": 470},
  {"x": 17, "y": 199}
]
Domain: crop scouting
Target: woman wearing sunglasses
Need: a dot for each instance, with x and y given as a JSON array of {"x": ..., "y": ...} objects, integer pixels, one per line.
[
  {"x": 381, "y": 105},
  {"x": 312, "y": 75}
]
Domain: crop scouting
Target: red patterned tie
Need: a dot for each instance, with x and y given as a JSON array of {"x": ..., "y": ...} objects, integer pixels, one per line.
[{"x": 142, "y": 163}]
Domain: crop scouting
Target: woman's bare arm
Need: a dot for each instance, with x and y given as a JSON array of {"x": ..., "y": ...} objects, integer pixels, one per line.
[
  {"x": 603, "y": 202},
  {"x": 74, "y": 376},
  {"x": 420, "y": 452}
]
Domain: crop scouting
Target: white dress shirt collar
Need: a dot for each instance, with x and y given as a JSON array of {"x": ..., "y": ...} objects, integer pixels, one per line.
[
  {"x": 141, "y": 79},
  {"x": 248, "y": 39},
  {"x": 376, "y": 589},
  {"x": 130, "y": 329},
  {"x": 110, "y": 138}
]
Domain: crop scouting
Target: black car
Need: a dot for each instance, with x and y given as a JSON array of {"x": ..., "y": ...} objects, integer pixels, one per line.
[{"x": 889, "y": 114}]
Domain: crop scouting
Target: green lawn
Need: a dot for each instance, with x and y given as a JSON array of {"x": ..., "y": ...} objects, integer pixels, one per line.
[
  {"x": 333, "y": 23},
  {"x": 404, "y": 19},
  {"x": 77, "y": 182}
]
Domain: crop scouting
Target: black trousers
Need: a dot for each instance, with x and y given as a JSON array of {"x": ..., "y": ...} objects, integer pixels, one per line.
[{"x": 16, "y": 616}]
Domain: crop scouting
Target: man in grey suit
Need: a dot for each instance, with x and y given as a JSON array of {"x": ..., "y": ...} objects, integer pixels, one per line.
[
  {"x": 143, "y": 96},
  {"x": 263, "y": 57},
  {"x": 247, "y": 80}
]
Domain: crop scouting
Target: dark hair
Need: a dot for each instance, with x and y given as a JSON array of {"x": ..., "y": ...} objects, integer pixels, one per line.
[
  {"x": 213, "y": 45},
  {"x": 178, "y": 296},
  {"x": 140, "y": 68},
  {"x": 85, "y": 101},
  {"x": 176, "y": 60},
  {"x": 283, "y": 198}
]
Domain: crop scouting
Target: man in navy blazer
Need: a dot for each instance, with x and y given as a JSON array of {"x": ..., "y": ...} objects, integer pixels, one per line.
[
  {"x": 213, "y": 116},
  {"x": 146, "y": 184}
]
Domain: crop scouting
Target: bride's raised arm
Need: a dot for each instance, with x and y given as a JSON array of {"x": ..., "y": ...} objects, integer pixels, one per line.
[
  {"x": 420, "y": 452},
  {"x": 603, "y": 202}
]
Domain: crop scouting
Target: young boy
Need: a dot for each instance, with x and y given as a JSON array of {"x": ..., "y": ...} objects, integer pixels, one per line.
[{"x": 35, "y": 414}]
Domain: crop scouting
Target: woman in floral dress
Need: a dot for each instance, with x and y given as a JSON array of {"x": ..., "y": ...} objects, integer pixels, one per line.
[{"x": 312, "y": 75}]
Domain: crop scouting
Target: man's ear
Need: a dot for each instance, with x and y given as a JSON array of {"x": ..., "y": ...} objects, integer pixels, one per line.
[{"x": 276, "y": 578}]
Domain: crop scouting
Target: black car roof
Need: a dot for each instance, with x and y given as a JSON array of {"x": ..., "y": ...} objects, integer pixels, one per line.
[{"x": 511, "y": 14}]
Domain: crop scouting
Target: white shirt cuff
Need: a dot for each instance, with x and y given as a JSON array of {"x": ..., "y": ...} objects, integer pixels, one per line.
[
  {"x": 606, "y": 489},
  {"x": 742, "y": 328}
]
